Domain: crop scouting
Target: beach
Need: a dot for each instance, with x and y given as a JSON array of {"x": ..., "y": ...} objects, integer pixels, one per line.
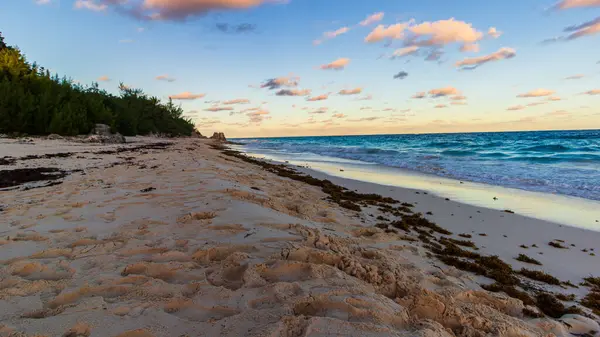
[{"x": 185, "y": 237}]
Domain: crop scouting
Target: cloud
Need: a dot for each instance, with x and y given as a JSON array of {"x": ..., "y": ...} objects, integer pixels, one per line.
[
  {"x": 537, "y": 93},
  {"x": 104, "y": 79},
  {"x": 592, "y": 92},
  {"x": 434, "y": 55},
  {"x": 347, "y": 92},
  {"x": 382, "y": 32},
  {"x": 90, "y": 5},
  {"x": 318, "y": 98},
  {"x": 516, "y": 107},
  {"x": 419, "y": 95},
  {"x": 258, "y": 116},
  {"x": 372, "y": 19},
  {"x": 401, "y": 75},
  {"x": 332, "y": 35},
  {"x": 568, "y": 4},
  {"x": 501, "y": 54},
  {"x": 179, "y": 10},
  {"x": 574, "y": 77},
  {"x": 165, "y": 78},
  {"x": 365, "y": 119},
  {"x": 441, "y": 92},
  {"x": 219, "y": 108},
  {"x": 293, "y": 92},
  {"x": 366, "y": 108},
  {"x": 237, "y": 101},
  {"x": 587, "y": 28},
  {"x": 338, "y": 115},
  {"x": 458, "y": 103},
  {"x": 554, "y": 98},
  {"x": 492, "y": 32},
  {"x": 536, "y": 103},
  {"x": 186, "y": 96},
  {"x": 321, "y": 110},
  {"x": 276, "y": 83},
  {"x": 338, "y": 64},
  {"x": 235, "y": 29},
  {"x": 126, "y": 41},
  {"x": 410, "y": 50},
  {"x": 471, "y": 47},
  {"x": 458, "y": 98},
  {"x": 42, "y": 2},
  {"x": 441, "y": 106},
  {"x": 140, "y": 29},
  {"x": 444, "y": 32},
  {"x": 558, "y": 113},
  {"x": 365, "y": 98}
]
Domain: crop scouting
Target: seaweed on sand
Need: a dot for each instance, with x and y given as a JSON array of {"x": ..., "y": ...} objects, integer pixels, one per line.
[
  {"x": 539, "y": 276},
  {"x": 527, "y": 259}
]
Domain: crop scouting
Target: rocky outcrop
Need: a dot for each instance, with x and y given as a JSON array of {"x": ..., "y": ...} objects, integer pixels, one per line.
[
  {"x": 197, "y": 134},
  {"x": 219, "y": 136},
  {"x": 102, "y": 134}
]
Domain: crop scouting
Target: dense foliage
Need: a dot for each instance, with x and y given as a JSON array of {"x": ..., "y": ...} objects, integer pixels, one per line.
[{"x": 34, "y": 102}]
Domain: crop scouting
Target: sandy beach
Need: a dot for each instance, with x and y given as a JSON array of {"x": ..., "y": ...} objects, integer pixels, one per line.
[{"x": 187, "y": 238}]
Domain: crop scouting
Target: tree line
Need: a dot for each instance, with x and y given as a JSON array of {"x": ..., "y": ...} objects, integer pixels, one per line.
[{"x": 34, "y": 102}]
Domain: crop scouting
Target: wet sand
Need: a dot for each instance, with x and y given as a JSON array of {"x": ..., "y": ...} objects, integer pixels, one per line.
[{"x": 185, "y": 240}]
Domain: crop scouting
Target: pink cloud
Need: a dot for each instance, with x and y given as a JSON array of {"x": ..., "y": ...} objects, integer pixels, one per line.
[
  {"x": 347, "y": 92},
  {"x": 516, "y": 107},
  {"x": 574, "y": 77},
  {"x": 494, "y": 33},
  {"x": 318, "y": 98},
  {"x": 447, "y": 91},
  {"x": 537, "y": 93},
  {"x": 410, "y": 50},
  {"x": 103, "y": 79},
  {"x": 593, "y": 92},
  {"x": 372, "y": 19},
  {"x": 90, "y": 5},
  {"x": 219, "y": 108},
  {"x": 293, "y": 92},
  {"x": 165, "y": 78},
  {"x": 338, "y": 64},
  {"x": 187, "y": 96},
  {"x": 338, "y": 115},
  {"x": 441, "y": 106},
  {"x": 568, "y": 4},
  {"x": 444, "y": 32},
  {"x": 382, "y": 32},
  {"x": 419, "y": 95},
  {"x": 237, "y": 101},
  {"x": 501, "y": 54}
]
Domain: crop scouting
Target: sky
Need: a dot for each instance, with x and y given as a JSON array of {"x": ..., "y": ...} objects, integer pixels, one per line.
[{"x": 262, "y": 68}]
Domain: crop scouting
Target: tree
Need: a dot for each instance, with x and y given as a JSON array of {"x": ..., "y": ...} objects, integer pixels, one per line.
[{"x": 2, "y": 44}]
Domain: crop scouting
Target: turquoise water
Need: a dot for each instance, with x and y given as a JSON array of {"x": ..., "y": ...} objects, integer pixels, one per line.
[{"x": 557, "y": 162}]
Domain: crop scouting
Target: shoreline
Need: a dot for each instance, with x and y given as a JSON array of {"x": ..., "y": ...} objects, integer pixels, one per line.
[
  {"x": 193, "y": 239},
  {"x": 562, "y": 209}
]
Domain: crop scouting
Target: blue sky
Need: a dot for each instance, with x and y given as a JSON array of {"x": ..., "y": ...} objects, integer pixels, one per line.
[{"x": 89, "y": 40}]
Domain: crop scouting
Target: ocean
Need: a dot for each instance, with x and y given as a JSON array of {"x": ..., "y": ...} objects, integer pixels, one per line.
[{"x": 556, "y": 162}]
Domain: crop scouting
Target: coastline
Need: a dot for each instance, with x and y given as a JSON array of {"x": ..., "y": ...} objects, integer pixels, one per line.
[
  {"x": 561, "y": 209},
  {"x": 190, "y": 240}
]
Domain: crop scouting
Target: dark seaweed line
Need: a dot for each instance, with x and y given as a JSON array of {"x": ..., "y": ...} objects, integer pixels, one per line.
[{"x": 445, "y": 249}]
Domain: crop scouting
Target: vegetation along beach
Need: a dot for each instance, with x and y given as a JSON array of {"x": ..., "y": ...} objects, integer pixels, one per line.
[{"x": 330, "y": 200}]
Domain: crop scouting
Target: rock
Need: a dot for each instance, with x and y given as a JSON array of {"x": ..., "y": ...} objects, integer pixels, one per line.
[
  {"x": 580, "y": 326},
  {"x": 197, "y": 134},
  {"x": 54, "y": 136},
  {"x": 219, "y": 136},
  {"x": 117, "y": 138},
  {"x": 101, "y": 130}
]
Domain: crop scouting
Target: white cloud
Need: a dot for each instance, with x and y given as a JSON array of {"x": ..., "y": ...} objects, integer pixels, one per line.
[
  {"x": 420, "y": 95},
  {"x": 90, "y": 5},
  {"x": 372, "y": 19},
  {"x": 493, "y": 32}
]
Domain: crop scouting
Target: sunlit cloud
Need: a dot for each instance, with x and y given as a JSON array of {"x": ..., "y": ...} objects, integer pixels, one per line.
[
  {"x": 347, "y": 92},
  {"x": 104, "y": 79},
  {"x": 332, "y": 35},
  {"x": 165, "y": 78},
  {"x": 458, "y": 103},
  {"x": 365, "y": 98},
  {"x": 371, "y": 19},
  {"x": 441, "y": 106},
  {"x": 574, "y": 77},
  {"x": 338, "y": 115},
  {"x": 537, "y": 93},
  {"x": 419, "y": 95},
  {"x": 593, "y": 92},
  {"x": 444, "y": 32},
  {"x": 318, "y": 98},
  {"x": 365, "y": 119},
  {"x": 410, "y": 50},
  {"x": 494, "y": 33},
  {"x": 321, "y": 110},
  {"x": 338, "y": 64},
  {"x": 441, "y": 92},
  {"x": 219, "y": 108},
  {"x": 554, "y": 98},
  {"x": 237, "y": 101},
  {"x": 181, "y": 9},
  {"x": 278, "y": 82},
  {"x": 187, "y": 96},
  {"x": 90, "y": 5},
  {"x": 516, "y": 107},
  {"x": 587, "y": 28},
  {"x": 382, "y": 32},
  {"x": 293, "y": 92},
  {"x": 568, "y": 4},
  {"x": 536, "y": 103},
  {"x": 501, "y": 54}
]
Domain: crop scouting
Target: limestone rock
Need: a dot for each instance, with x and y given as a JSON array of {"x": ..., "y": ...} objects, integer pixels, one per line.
[
  {"x": 101, "y": 134},
  {"x": 54, "y": 136},
  {"x": 219, "y": 136},
  {"x": 197, "y": 134},
  {"x": 101, "y": 130}
]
